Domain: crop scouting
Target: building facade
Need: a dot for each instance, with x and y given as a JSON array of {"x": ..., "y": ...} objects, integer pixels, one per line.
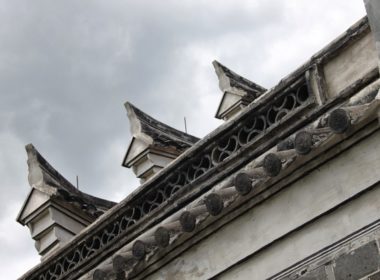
[{"x": 287, "y": 188}]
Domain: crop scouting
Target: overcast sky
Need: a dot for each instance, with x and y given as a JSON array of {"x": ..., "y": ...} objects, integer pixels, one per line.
[{"x": 68, "y": 66}]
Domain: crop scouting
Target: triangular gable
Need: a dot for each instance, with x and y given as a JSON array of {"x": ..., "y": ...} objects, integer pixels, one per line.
[
  {"x": 228, "y": 101},
  {"x": 34, "y": 200},
  {"x": 135, "y": 148}
]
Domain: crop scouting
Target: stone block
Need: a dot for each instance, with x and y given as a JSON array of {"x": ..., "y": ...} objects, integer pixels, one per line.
[{"x": 357, "y": 263}]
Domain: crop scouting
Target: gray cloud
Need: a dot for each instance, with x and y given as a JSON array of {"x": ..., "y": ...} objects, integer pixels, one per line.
[{"x": 67, "y": 67}]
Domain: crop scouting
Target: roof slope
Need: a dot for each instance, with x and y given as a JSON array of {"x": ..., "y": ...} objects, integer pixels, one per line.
[
  {"x": 43, "y": 177},
  {"x": 234, "y": 83},
  {"x": 154, "y": 132}
]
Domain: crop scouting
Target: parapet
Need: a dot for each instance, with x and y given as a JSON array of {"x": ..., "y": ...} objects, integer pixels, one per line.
[{"x": 154, "y": 144}]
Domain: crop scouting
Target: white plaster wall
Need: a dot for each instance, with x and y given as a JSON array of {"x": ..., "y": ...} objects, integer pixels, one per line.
[
  {"x": 301, "y": 244},
  {"x": 35, "y": 200},
  {"x": 334, "y": 182},
  {"x": 46, "y": 240},
  {"x": 41, "y": 223},
  {"x": 351, "y": 64},
  {"x": 135, "y": 148},
  {"x": 65, "y": 221},
  {"x": 228, "y": 101}
]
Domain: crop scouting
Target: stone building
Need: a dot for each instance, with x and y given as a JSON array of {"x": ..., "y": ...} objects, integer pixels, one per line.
[{"x": 287, "y": 188}]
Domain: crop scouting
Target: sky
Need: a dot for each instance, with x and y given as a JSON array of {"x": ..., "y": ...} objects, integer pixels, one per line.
[{"x": 67, "y": 67}]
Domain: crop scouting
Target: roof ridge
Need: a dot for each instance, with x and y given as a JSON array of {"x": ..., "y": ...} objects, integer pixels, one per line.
[
  {"x": 45, "y": 178},
  {"x": 142, "y": 123},
  {"x": 233, "y": 82}
]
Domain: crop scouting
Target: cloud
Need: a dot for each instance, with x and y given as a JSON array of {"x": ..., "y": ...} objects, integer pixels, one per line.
[
  {"x": 67, "y": 67},
  {"x": 17, "y": 249}
]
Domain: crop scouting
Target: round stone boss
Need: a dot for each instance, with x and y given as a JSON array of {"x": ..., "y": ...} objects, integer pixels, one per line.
[
  {"x": 339, "y": 121},
  {"x": 303, "y": 142},
  {"x": 242, "y": 183},
  {"x": 187, "y": 221},
  {"x": 162, "y": 237},
  {"x": 99, "y": 275},
  {"x": 139, "y": 250},
  {"x": 272, "y": 164},
  {"x": 214, "y": 204}
]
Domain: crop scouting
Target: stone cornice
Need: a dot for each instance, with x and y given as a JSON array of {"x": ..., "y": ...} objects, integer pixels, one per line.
[{"x": 237, "y": 195}]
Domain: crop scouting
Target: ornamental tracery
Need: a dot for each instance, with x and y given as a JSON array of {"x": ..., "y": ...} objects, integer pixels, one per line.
[{"x": 255, "y": 124}]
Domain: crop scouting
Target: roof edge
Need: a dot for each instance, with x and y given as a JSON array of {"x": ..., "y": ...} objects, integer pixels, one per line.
[{"x": 233, "y": 82}]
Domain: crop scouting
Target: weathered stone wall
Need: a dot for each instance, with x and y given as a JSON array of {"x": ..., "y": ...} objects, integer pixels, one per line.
[{"x": 357, "y": 260}]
